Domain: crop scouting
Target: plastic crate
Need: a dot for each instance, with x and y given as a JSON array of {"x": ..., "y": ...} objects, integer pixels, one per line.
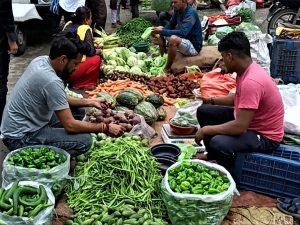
[
  {"x": 285, "y": 55},
  {"x": 276, "y": 174}
]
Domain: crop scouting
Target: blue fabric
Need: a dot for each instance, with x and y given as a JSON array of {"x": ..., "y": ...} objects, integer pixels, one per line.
[
  {"x": 54, "y": 7},
  {"x": 185, "y": 25}
]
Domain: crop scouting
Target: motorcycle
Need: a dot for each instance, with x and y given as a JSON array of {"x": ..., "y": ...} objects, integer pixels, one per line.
[{"x": 284, "y": 12}]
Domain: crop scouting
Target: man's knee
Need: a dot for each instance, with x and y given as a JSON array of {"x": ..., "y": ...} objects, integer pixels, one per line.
[
  {"x": 203, "y": 111},
  {"x": 174, "y": 40},
  {"x": 219, "y": 147},
  {"x": 84, "y": 144}
]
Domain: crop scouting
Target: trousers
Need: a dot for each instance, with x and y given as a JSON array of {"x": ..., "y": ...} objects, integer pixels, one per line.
[
  {"x": 224, "y": 148},
  {"x": 55, "y": 135}
]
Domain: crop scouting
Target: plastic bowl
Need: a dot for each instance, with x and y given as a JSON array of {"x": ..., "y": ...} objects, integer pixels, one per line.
[
  {"x": 165, "y": 150},
  {"x": 165, "y": 163},
  {"x": 182, "y": 130}
]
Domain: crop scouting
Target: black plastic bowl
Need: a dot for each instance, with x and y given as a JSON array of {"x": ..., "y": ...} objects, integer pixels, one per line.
[
  {"x": 165, "y": 150},
  {"x": 165, "y": 163}
]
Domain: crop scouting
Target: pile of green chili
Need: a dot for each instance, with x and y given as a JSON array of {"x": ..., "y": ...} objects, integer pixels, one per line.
[
  {"x": 117, "y": 171},
  {"x": 131, "y": 32}
]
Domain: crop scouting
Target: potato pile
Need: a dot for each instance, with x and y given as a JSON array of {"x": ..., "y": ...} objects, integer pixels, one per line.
[{"x": 126, "y": 119}]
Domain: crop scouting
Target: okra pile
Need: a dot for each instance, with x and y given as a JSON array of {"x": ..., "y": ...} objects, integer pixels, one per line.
[
  {"x": 37, "y": 157},
  {"x": 23, "y": 201},
  {"x": 193, "y": 178}
]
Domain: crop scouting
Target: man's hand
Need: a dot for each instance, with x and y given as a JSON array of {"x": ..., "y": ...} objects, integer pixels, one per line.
[
  {"x": 204, "y": 99},
  {"x": 199, "y": 135},
  {"x": 99, "y": 103},
  {"x": 13, "y": 47},
  {"x": 115, "y": 129},
  {"x": 157, "y": 30}
]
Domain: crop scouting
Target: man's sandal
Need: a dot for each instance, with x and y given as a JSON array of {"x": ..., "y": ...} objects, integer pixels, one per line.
[{"x": 290, "y": 209}]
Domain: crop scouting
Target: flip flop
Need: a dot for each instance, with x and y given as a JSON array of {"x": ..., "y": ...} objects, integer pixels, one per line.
[{"x": 290, "y": 209}]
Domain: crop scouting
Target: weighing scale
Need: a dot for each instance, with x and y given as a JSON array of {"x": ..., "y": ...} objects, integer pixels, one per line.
[{"x": 169, "y": 137}]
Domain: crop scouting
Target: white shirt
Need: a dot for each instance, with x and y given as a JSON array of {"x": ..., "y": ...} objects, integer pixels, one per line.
[{"x": 71, "y": 5}]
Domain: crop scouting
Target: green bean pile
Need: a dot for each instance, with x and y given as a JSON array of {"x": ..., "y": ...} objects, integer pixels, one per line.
[{"x": 118, "y": 171}]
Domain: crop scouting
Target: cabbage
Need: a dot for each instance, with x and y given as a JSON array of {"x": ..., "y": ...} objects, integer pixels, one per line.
[
  {"x": 127, "y": 68},
  {"x": 142, "y": 65},
  {"x": 133, "y": 54},
  {"x": 136, "y": 70},
  {"x": 112, "y": 62},
  {"x": 107, "y": 69},
  {"x": 141, "y": 55},
  {"x": 111, "y": 55},
  {"x": 121, "y": 68},
  {"x": 125, "y": 53},
  {"x": 120, "y": 61},
  {"x": 160, "y": 61},
  {"x": 132, "y": 61}
]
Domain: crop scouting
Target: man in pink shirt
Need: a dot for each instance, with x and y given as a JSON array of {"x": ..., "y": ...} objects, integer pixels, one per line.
[{"x": 255, "y": 123}]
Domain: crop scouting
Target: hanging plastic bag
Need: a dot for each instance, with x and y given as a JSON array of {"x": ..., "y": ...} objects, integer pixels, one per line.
[
  {"x": 186, "y": 115},
  {"x": 195, "y": 208},
  {"x": 143, "y": 129},
  {"x": 291, "y": 99},
  {"x": 215, "y": 84},
  {"x": 54, "y": 178},
  {"x": 44, "y": 217}
]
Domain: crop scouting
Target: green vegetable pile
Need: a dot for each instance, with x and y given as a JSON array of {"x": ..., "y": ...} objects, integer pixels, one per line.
[
  {"x": 118, "y": 170},
  {"x": 23, "y": 201},
  {"x": 247, "y": 15},
  {"x": 184, "y": 119},
  {"x": 204, "y": 206},
  {"x": 192, "y": 178},
  {"x": 37, "y": 157},
  {"x": 132, "y": 31},
  {"x": 126, "y": 214}
]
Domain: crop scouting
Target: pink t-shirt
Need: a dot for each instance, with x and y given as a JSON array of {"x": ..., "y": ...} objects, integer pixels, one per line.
[{"x": 257, "y": 90}]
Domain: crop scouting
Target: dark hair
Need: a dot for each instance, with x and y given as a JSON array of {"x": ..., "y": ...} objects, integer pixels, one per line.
[
  {"x": 67, "y": 43},
  {"x": 80, "y": 15},
  {"x": 236, "y": 42}
]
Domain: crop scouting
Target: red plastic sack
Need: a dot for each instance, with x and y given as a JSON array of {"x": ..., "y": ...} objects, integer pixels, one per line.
[
  {"x": 232, "y": 2},
  {"x": 215, "y": 84}
]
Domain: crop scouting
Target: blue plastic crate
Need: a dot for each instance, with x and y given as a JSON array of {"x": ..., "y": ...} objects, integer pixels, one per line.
[
  {"x": 285, "y": 55},
  {"x": 277, "y": 174}
]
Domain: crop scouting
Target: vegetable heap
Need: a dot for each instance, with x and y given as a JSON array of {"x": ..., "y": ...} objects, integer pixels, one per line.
[
  {"x": 246, "y": 14},
  {"x": 37, "y": 157},
  {"x": 117, "y": 171},
  {"x": 126, "y": 214},
  {"x": 23, "y": 201},
  {"x": 184, "y": 119},
  {"x": 131, "y": 32},
  {"x": 192, "y": 178}
]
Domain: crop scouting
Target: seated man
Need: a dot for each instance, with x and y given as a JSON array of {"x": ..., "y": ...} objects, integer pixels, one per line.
[
  {"x": 184, "y": 32},
  {"x": 38, "y": 111},
  {"x": 255, "y": 123}
]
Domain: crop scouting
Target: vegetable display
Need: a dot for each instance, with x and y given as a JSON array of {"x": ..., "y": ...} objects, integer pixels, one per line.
[
  {"x": 246, "y": 14},
  {"x": 174, "y": 87},
  {"x": 121, "y": 75},
  {"x": 23, "y": 201},
  {"x": 109, "y": 98},
  {"x": 156, "y": 100},
  {"x": 131, "y": 32},
  {"x": 117, "y": 171},
  {"x": 39, "y": 158},
  {"x": 192, "y": 178},
  {"x": 161, "y": 113},
  {"x": 184, "y": 119},
  {"x": 126, "y": 119}
]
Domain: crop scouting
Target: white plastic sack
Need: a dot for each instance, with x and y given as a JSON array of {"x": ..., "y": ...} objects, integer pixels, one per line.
[
  {"x": 291, "y": 99},
  {"x": 54, "y": 177},
  {"x": 191, "y": 109},
  {"x": 259, "y": 49},
  {"x": 43, "y": 218},
  {"x": 205, "y": 209},
  {"x": 233, "y": 10}
]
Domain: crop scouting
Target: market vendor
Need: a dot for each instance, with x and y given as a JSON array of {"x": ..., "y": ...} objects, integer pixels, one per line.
[
  {"x": 255, "y": 122},
  {"x": 183, "y": 33},
  {"x": 39, "y": 112}
]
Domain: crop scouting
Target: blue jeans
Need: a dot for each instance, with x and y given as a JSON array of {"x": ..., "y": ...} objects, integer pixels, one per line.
[{"x": 54, "y": 135}]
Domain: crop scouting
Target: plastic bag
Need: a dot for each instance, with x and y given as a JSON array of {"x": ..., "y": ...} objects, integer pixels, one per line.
[
  {"x": 213, "y": 40},
  {"x": 54, "y": 178},
  {"x": 186, "y": 115},
  {"x": 223, "y": 31},
  {"x": 248, "y": 28},
  {"x": 187, "y": 151},
  {"x": 198, "y": 209},
  {"x": 234, "y": 9},
  {"x": 259, "y": 49},
  {"x": 143, "y": 129},
  {"x": 43, "y": 218},
  {"x": 215, "y": 84},
  {"x": 291, "y": 99}
]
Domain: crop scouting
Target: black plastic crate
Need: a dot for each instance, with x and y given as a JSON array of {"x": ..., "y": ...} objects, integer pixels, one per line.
[
  {"x": 277, "y": 174},
  {"x": 285, "y": 55}
]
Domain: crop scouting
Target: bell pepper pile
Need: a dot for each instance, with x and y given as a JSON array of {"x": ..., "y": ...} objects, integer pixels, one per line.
[
  {"x": 39, "y": 158},
  {"x": 193, "y": 178}
]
